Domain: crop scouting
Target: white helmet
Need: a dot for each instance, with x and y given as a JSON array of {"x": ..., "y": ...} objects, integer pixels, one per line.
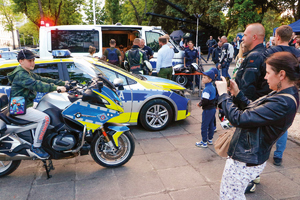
[
  {"x": 195, "y": 66},
  {"x": 148, "y": 65}
]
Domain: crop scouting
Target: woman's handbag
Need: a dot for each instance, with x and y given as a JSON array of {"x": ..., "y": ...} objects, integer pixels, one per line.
[{"x": 223, "y": 142}]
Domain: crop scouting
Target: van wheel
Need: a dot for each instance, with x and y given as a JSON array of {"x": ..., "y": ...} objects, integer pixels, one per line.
[
  {"x": 156, "y": 115},
  {"x": 181, "y": 79}
]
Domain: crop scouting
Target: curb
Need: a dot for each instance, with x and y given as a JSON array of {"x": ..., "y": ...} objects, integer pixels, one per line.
[{"x": 294, "y": 140}]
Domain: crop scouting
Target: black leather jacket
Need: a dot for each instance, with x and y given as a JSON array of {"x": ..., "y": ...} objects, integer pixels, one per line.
[
  {"x": 258, "y": 124},
  {"x": 251, "y": 73}
]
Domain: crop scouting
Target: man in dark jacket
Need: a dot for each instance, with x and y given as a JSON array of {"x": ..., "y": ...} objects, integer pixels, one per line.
[
  {"x": 211, "y": 44},
  {"x": 136, "y": 57},
  {"x": 250, "y": 75},
  {"x": 216, "y": 55},
  {"x": 282, "y": 37},
  {"x": 26, "y": 84}
]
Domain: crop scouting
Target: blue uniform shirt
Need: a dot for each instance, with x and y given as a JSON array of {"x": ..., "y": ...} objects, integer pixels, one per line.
[
  {"x": 209, "y": 92},
  {"x": 148, "y": 51},
  {"x": 190, "y": 56}
]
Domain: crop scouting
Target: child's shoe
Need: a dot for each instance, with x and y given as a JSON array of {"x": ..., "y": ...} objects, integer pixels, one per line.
[
  {"x": 210, "y": 142},
  {"x": 201, "y": 144}
]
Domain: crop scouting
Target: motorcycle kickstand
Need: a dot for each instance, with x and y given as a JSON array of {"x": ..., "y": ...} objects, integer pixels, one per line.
[{"x": 48, "y": 167}]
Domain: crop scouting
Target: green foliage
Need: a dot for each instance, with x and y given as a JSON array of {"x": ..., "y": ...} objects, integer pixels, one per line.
[
  {"x": 56, "y": 12},
  {"x": 112, "y": 8},
  {"x": 29, "y": 30},
  {"x": 270, "y": 21},
  {"x": 134, "y": 12},
  {"x": 100, "y": 14},
  {"x": 246, "y": 12}
]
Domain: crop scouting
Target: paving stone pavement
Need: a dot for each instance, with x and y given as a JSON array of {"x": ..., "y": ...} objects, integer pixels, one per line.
[{"x": 166, "y": 166}]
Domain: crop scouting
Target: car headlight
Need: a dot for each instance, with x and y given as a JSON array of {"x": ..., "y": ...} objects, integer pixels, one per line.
[{"x": 179, "y": 92}]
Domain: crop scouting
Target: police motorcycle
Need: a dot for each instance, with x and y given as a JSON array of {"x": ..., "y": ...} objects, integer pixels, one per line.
[
  {"x": 79, "y": 125},
  {"x": 183, "y": 79}
]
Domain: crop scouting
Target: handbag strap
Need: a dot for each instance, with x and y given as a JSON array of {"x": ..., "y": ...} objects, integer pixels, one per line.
[{"x": 291, "y": 96}]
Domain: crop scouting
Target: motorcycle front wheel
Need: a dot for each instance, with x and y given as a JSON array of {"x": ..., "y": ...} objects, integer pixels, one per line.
[
  {"x": 106, "y": 157},
  {"x": 8, "y": 167}
]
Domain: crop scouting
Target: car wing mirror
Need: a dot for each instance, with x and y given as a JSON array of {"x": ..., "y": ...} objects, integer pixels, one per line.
[
  {"x": 100, "y": 85},
  {"x": 118, "y": 83}
]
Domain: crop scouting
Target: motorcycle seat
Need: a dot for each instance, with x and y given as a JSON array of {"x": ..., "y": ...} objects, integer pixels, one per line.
[{"x": 9, "y": 119}]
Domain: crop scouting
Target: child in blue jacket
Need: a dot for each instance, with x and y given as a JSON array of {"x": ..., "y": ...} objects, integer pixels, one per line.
[{"x": 209, "y": 109}]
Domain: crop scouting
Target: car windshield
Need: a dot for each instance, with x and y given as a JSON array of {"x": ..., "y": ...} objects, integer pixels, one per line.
[{"x": 123, "y": 70}]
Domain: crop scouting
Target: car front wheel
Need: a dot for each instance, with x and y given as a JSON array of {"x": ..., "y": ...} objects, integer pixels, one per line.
[{"x": 156, "y": 115}]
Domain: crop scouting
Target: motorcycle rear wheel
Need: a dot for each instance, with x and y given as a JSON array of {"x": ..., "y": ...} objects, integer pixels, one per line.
[
  {"x": 8, "y": 167},
  {"x": 102, "y": 154}
]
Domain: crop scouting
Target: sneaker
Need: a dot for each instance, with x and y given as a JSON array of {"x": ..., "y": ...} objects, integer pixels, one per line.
[
  {"x": 251, "y": 187},
  {"x": 201, "y": 144},
  {"x": 39, "y": 152},
  {"x": 277, "y": 161},
  {"x": 257, "y": 180},
  {"x": 210, "y": 142}
]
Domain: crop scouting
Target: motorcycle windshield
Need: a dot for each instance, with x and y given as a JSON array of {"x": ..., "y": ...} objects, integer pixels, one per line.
[{"x": 86, "y": 67}]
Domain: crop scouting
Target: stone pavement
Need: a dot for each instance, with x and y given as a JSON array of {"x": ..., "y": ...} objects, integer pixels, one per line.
[{"x": 166, "y": 166}]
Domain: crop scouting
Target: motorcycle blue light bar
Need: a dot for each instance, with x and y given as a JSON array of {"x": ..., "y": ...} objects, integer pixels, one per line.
[{"x": 62, "y": 53}]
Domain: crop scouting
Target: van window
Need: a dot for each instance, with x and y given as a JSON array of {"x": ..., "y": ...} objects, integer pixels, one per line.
[
  {"x": 77, "y": 41},
  {"x": 152, "y": 40}
]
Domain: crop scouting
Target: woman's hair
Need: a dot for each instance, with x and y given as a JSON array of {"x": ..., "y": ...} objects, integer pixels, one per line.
[
  {"x": 92, "y": 49},
  {"x": 240, "y": 54},
  {"x": 287, "y": 62}
]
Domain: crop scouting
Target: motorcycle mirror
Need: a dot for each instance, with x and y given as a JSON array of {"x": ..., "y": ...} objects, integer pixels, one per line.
[{"x": 100, "y": 85}]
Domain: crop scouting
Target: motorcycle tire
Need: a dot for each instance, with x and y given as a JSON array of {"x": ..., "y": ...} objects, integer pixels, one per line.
[
  {"x": 108, "y": 159},
  {"x": 8, "y": 168},
  {"x": 181, "y": 79},
  {"x": 156, "y": 115}
]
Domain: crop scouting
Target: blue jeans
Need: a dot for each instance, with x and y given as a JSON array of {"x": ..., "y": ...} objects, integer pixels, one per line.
[
  {"x": 207, "y": 127},
  {"x": 280, "y": 145},
  {"x": 210, "y": 50},
  {"x": 225, "y": 68},
  {"x": 219, "y": 75}
]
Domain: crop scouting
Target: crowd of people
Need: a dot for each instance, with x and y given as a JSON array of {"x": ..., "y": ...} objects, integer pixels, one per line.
[{"x": 260, "y": 101}]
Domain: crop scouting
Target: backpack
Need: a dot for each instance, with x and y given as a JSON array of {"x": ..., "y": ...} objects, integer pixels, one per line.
[{"x": 112, "y": 56}]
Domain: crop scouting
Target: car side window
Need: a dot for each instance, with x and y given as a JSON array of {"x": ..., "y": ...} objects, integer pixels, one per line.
[
  {"x": 3, "y": 75},
  {"x": 152, "y": 40},
  {"x": 123, "y": 78},
  {"x": 49, "y": 70},
  {"x": 77, "y": 74},
  {"x": 111, "y": 75}
]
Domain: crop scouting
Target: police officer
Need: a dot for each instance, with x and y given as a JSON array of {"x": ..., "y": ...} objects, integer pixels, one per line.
[
  {"x": 191, "y": 56},
  {"x": 136, "y": 57}
]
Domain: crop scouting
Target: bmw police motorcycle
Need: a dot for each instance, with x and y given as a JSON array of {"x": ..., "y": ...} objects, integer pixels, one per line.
[{"x": 79, "y": 125}]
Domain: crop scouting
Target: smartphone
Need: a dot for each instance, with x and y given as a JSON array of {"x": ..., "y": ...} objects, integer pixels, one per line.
[{"x": 228, "y": 81}]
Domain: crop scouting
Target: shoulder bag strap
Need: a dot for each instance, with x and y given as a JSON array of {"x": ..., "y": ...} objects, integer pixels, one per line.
[{"x": 291, "y": 96}]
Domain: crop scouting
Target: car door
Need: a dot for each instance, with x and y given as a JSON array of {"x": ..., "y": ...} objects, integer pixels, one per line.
[{"x": 125, "y": 95}]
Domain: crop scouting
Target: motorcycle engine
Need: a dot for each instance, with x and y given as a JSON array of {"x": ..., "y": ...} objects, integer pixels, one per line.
[{"x": 63, "y": 142}]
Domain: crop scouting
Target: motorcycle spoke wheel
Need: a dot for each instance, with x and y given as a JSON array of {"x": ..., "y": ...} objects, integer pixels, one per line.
[
  {"x": 8, "y": 167},
  {"x": 4, "y": 165}
]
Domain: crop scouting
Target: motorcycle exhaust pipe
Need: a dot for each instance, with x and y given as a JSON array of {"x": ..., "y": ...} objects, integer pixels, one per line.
[{"x": 4, "y": 157}]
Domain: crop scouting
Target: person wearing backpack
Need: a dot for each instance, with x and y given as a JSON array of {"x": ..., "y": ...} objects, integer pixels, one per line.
[
  {"x": 226, "y": 57},
  {"x": 113, "y": 55},
  {"x": 136, "y": 57}
]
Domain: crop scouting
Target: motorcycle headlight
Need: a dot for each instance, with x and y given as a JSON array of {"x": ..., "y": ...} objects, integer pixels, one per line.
[{"x": 179, "y": 92}]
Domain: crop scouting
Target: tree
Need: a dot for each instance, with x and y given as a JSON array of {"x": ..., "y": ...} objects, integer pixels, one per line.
[
  {"x": 9, "y": 18},
  {"x": 55, "y": 12},
  {"x": 100, "y": 14},
  {"x": 29, "y": 30},
  {"x": 134, "y": 11},
  {"x": 112, "y": 8}
]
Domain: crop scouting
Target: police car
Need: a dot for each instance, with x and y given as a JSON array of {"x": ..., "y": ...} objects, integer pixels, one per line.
[{"x": 150, "y": 101}]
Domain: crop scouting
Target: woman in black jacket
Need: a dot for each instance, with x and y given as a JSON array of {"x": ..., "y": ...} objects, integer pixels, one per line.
[{"x": 258, "y": 124}]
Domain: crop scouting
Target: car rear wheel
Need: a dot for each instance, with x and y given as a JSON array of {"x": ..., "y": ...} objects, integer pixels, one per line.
[
  {"x": 181, "y": 79},
  {"x": 156, "y": 115}
]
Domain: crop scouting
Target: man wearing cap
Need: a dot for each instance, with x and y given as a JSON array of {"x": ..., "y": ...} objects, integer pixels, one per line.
[{"x": 26, "y": 84}]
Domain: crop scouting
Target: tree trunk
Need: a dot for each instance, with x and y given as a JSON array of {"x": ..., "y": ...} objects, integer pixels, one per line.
[
  {"x": 41, "y": 9},
  {"x": 136, "y": 13},
  {"x": 13, "y": 38}
]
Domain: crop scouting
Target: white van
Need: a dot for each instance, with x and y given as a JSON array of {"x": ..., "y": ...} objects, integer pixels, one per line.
[{"x": 78, "y": 38}]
